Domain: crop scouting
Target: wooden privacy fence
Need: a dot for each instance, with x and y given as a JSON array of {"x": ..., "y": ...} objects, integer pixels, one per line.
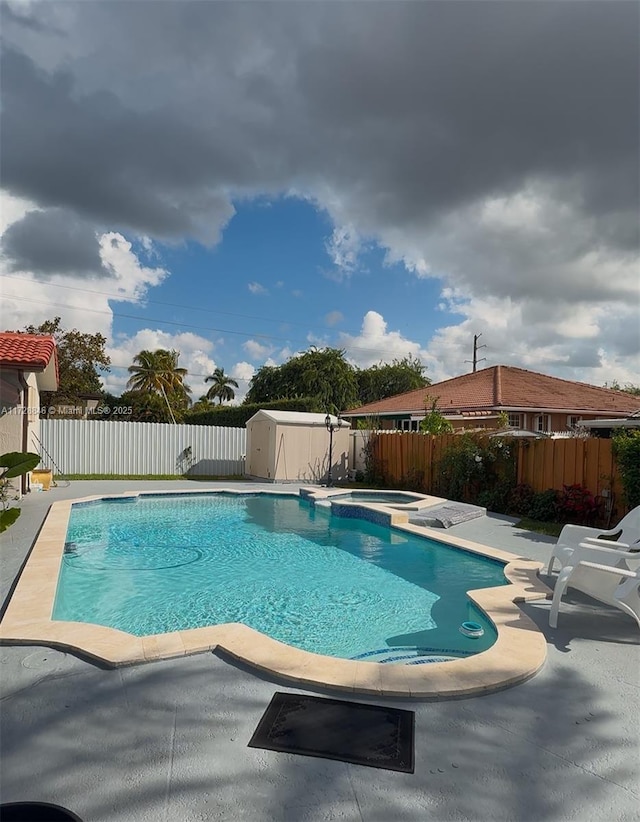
[{"x": 542, "y": 464}]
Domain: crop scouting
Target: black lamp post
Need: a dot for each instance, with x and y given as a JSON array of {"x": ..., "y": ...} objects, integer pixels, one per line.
[{"x": 331, "y": 427}]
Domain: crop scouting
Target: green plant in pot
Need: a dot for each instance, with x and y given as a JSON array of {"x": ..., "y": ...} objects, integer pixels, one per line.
[{"x": 14, "y": 464}]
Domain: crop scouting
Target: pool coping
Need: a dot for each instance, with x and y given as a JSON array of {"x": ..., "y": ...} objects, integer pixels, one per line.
[{"x": 518, "y": 653}]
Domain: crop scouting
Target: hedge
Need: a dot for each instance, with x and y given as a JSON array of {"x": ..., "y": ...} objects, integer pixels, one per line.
[{"x": 236, "y": 416}]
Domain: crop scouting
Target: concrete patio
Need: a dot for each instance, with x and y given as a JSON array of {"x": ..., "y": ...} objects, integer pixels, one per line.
[{"x": 168, "y": 740}]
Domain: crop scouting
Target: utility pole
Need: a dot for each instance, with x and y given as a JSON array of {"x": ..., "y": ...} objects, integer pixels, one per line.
[{"x": 475, "y": 360}]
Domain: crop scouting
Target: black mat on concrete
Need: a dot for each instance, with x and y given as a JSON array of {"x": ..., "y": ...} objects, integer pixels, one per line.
[
  {"x": 36, "y": 812},
  {"x": 370, "y": 735}
]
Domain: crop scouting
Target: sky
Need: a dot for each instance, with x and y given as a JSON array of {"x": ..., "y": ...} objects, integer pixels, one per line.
[{"x": 240, "y": 181}]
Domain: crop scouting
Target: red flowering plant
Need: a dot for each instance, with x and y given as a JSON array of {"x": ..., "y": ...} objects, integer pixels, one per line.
[{"x": 577, "y": 504}]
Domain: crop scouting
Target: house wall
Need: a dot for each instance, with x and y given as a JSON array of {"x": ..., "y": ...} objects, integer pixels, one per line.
[
  {"x": 13, "y": 421},
  {"x": 11, "y": 417},
  {"x": 33, "y": 413},
  {"x": 553, "y": 422}
]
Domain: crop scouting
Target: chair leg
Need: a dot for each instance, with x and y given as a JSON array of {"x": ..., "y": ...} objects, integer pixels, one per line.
[
  {"x": 628, "y": 598},
  {"x": 558, "y": 591}
]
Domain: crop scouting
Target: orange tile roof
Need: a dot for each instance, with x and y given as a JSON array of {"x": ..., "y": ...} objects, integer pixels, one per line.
[
  {"x": 30, "y": 352},
  {"x": 505, "y": 387}
]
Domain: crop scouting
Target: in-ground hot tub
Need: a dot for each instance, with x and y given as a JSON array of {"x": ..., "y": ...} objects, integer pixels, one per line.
[{"x": 393, "y": 498}]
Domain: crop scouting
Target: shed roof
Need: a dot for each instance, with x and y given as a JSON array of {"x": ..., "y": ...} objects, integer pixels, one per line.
[{"x": 296, "y": 417}]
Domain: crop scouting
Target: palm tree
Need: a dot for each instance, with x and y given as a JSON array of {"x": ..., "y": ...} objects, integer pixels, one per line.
[
  {"x": 157, "y": 372},
  {"x": 221, "y": 387}
]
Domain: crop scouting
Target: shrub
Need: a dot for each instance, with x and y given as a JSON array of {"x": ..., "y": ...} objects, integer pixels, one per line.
[
  {"x": 544, "y": 505},
  {"x": 626, "y": 450},
  {"x": 413, "y": 480},
  {"x": 577, "y": 504},
  {"x": 495, "y": 499},
  {"x": 14, "y": 464},
  {"x": 521, "y": 499},
  {"x": 473, "y": 466}
]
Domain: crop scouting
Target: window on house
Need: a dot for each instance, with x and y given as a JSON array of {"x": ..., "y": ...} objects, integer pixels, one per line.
[
  {"x": 572, "y": 422},
  {"x": 514, "y": 421},
  {"x": 543, "y": 422}
]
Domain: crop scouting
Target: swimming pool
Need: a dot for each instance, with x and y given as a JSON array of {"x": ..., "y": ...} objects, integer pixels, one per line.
[{"x": 345, "y": 588}]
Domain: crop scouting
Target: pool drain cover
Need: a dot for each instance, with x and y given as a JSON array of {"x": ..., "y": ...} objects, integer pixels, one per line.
[{"x": 43, "y": 659}]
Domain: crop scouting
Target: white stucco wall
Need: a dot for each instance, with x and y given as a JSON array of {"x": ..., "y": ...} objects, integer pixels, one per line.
[{"x": 10, "y": 412}]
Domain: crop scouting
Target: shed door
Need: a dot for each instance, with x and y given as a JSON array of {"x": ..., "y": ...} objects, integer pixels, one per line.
[{"x": 259, "y": 456}]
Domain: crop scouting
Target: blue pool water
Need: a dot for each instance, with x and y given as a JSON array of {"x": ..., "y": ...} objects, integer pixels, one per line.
[
  {"x": 391, "y": 497},
  {"x": 341, "y": 587}
]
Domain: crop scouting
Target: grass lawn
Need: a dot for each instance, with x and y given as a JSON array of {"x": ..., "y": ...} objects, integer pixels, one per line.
[
  {"x": 551, "y": 529},
  {"x": 163, "y": 477}
]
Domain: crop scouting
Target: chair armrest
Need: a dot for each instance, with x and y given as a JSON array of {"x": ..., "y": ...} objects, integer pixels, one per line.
[
  {"x": 617, "y": 553},
  {"x": 607, "y": 543},
  {"x": 610, "y": 569},
  {"x": 571, "y": 534}
]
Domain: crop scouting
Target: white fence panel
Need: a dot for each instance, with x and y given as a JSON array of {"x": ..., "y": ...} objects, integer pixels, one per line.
[{"x": 111, "y": 447}]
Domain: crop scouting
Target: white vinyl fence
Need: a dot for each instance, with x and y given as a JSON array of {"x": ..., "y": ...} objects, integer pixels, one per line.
[{"x": 110, "y": 447}]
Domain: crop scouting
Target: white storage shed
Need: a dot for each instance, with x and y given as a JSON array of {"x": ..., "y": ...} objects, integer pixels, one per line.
[{"x": 294, "y": 446}]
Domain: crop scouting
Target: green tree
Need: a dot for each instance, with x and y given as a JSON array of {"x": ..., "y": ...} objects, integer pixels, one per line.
[
  {"x": 81, "y": 360},
  {"x": 201, "y": 404},
  {"x": 434, "y": 422},
  {"x": 323, "y": 374},
  {"x": 628, "y": 388},
  {"x": 157, "y": 372},
  {"x": 146, "y": 407},
  {"x": 222, "y": 387},
  {"x": 389, "y": 379}
]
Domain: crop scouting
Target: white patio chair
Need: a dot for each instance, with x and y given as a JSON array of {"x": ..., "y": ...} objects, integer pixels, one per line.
[
  {"x": 624, "y": 536},
  {"x": 613, "y": 579}
]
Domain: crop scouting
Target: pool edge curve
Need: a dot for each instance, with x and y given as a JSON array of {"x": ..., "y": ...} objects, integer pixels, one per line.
[{"x": 518, "y": 653}]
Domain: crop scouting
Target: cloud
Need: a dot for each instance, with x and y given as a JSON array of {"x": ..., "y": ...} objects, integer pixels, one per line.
[
  {"x": 27, "y": 300},
  {"x": 53, "y": 242},
  {"x": 343, "y": 248},
  {"x": 334, "y": 317},
  {"x": 257, "y": 288},
  {"x": 591, "y": 343},
  {"x": 242, "y": 372},
  {"x": 229, "y": 98},
  {"x": 376, "y": 344},
  {"x": 456, "y": 151},
  {"x": 257, "y": 350},
  {"x": 132, "y": 278}
]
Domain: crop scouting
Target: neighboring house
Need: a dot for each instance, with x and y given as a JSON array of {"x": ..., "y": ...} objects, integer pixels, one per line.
[
  {"x": 28, "y": 365},
  {"x": 532, "y": 401},
  {"x": 605, "y": 428}
]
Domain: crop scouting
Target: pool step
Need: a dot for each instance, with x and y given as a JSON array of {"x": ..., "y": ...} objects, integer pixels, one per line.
[{"x": 411, "y": 656}]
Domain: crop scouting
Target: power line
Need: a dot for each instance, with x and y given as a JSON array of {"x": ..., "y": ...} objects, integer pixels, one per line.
[
  {"x": 112, "y": 313},
  {"x": 119, "y": 298}
]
